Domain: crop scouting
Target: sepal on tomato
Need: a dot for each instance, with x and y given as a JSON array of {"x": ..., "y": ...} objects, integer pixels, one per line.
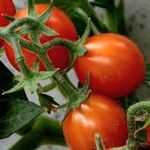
[
  {"x": 31, "y": 8},
  {"x": 82, "y": 95},
  {"x": 99, "y": 142},
  {"x": 47, "y": 13},
  {"x": 10, "y": 18},
  {"x": 72, "y": 59},
  {"x": 80, "y": 49},
  {"x": 31, "y": 83},
  {"x": 85, "y": 87}
]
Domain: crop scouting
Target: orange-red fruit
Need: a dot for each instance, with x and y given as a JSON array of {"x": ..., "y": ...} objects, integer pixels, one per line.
[
  {"x": 98, "y": 114},
  {"x": 115, "y": 63},
  {"x": 6, "y": 8},
  {"x": 57, "y": 21},
  {"x": 148, "y": 136}
]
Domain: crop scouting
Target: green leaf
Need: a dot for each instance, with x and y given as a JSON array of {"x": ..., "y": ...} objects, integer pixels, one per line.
[
  {"x": 69, "y": 7},
  {"x": 147, "y": 75},
  {"x": 16, "y": 88},
  {"x": 120, "y": 17},
  {"x": 129, "y": 100},
  {"x": 102, "y": 4},
  {"x": 78, "y": 21},
  {"x": 148, "y": 67},
  {"x": 85, "y": 87},
  {"x": 16, "y": 113}
]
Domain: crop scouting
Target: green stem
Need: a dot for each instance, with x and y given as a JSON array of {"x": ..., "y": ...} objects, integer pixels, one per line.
[
  {"x": 20, "y": 60},
  {"x": 30, "y": 141},
  {"x": 94, "y": 28},
  {"x": 112, "y": 20},
  {"x": 115, "y": 17},
  {"x": 31, "y": 8},
  {"x": 44, "y": 130},
  {"x": 85, "y": 17},
  {"x": 99, "y": 142},
  {"x": 23, "y": 21},
  {"x": 47, "y": 88},
  {"x": 121, "y": 20},
  {"x": 58, "y": 78},
  {"x": 68, "y": 80},
  {"x": 119, "y": 148},
  {"x": 135, "y": 110},
  {"x": 58, "y": 42},
  {"x": 66, "y": 88},
  {"x": 95, "y": 19}
]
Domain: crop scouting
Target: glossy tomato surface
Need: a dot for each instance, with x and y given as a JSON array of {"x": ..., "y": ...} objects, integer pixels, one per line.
[
  {"x": 6, "y": 8},
  {"x": 59, "y": 22},
  {"x": 115, "y": 64},
  {"x": 98, "y": 114}
]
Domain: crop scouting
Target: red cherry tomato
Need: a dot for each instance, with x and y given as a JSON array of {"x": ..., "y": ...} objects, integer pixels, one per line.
[
  {"x": 98, "y": 114},
  {"x": 59, "y": 22},
  {"x": 115, "y": 64},
  {"x": 7, "y": 8}
]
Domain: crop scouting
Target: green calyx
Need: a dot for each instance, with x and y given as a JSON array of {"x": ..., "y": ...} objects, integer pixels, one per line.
[
  {"x": 75, "y": 48},
  {"x": 78, "y": 97},
  {"x": 39, "y": 27},
  {"x": 31, "y": 83},
  {"x": 33, "y": 26},
  {"x": 74, "y": 103}
]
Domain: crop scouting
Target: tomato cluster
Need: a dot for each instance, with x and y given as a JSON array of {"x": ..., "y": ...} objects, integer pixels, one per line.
[
  {"x": 59, "y": 22},
  {"x": 116, "y": 67}
]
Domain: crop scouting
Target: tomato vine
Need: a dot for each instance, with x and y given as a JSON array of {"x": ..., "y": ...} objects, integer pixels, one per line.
[{"x": 87, "y": 113}]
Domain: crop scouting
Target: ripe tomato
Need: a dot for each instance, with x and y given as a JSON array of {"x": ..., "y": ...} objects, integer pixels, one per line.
[
  {"x": 115, "y": 64},
  {"x": 148, "y": 136},
  {"x": 6, "y": 7},
  {"x": 98, "y": 114},
  {"x": 59, "y": 22}
]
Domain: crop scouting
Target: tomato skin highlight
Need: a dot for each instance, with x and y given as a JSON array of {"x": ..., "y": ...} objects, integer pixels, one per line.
[
  {"x": 98, "y": 114},
  {"x": 59, "y": 55},
  {"x": 6, "y": 7},
  {"x": 115, "y": 64}
]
